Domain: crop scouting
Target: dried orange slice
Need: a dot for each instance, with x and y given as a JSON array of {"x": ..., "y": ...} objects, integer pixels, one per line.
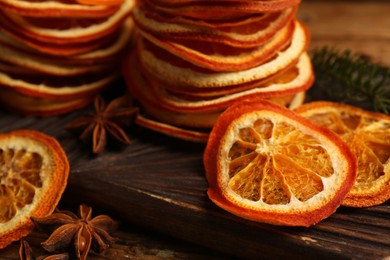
[
  {"x": 69, "y": 30},
  {"x": 221, "y": 57},
  {"x": 368, "y": 136},
  {"x": 298, "y": 80},
  {"x": 209, "y": 10},
  {"x": 56, "y": 9},
  {"x": 172, "y": 69},
  {"x": 54, "y": 87},
  {"x": 265, "y": 163},
  {"x": 34, "y": 173},
  {"x": 246, "y": 32},
  {"x": 33, "y": 106}
]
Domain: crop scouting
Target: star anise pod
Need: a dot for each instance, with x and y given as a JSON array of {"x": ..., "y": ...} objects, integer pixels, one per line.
[
  {"x": 107, "y": 119},
  {"x": 83, "y": 231},
  {"x": 26, "y": 253}
]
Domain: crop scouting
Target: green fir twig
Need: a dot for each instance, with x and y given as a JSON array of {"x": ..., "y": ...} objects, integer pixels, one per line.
[{"x": 343, "y": 76}]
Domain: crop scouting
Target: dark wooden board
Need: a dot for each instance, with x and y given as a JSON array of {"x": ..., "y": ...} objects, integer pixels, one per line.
[{"x": 158, "y": 182}]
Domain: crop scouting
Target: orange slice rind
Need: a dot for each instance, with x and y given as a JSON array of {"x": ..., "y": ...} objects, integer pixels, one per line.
[{"x": 220, "y": 57}]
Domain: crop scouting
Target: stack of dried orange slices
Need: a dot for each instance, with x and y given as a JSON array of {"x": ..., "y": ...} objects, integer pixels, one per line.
[
  {"x": 55, "y": 55},
  {"x": 194, "y": 58}
]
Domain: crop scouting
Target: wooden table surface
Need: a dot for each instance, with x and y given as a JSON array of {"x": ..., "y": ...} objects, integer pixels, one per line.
[{"x": 362, "y": 26}]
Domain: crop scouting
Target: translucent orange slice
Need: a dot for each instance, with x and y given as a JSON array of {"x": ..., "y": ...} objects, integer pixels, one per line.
[
  {"x": 34, "y": 173},
  {"x": 265, "y": 163},
  {"x": 368, "y": 136}
]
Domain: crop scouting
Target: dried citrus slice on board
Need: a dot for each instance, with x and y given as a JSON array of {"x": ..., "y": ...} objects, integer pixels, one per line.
[
  {"x": 265, "y": 163},
  {"x": 34, "y": 173},
  {"x": 368, "y": 136}
]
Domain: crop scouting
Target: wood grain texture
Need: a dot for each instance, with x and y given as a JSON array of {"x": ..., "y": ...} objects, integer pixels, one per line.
[
  {"x": 159, "y": 183},
  {"x": 361, "y": 26}
]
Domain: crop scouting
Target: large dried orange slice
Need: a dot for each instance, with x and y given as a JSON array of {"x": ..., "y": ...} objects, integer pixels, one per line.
[
  {"x": 265, "y": 163},
  {"x": 34, "y": 172},
  {"x": 368, "y": 136}
]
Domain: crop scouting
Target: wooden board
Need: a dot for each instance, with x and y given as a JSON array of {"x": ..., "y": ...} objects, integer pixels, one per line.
[{"x": 158, "y": 182}]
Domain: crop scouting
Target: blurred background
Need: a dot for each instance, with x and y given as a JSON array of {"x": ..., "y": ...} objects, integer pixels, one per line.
[{"x": 361, "y": 26}]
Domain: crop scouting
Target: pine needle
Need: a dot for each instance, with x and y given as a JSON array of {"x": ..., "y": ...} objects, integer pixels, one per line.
[{"x": 346, "y": 77}]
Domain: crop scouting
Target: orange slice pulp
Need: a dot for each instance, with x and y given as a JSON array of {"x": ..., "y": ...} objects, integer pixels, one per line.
[
  {"x": 368, "y": 136},
  {"x": 265, "y": 163}
]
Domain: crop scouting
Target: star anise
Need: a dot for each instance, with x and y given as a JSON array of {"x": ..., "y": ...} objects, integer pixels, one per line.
[
  {"x": 26, "y": 253},
  {"x": 111, "y": 119},
  {"x": 84, "y": 232}
]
